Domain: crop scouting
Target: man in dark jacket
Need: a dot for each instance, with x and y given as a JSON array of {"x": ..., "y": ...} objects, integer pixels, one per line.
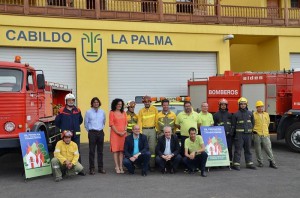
[
  {"x": 242, "y": 126},
  {"x": 70, "y": 118},
  {"x": 167, "y": 151},
  {"x": 224, "y": 118},
  {"x": 136, "y": 151}
]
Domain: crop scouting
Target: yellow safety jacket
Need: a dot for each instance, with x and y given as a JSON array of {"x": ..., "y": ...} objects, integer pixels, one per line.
[
  {"x": 163, "y": 120},
  {"x": 65, "y": 152},
  {"x": 132, "y": 119},
  {"x": 147, "y": 117},
  {"x": 262, "y": 122}
]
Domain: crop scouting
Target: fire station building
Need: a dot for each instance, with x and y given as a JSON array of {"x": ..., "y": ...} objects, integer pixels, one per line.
[{"x": 126, "y": 48}]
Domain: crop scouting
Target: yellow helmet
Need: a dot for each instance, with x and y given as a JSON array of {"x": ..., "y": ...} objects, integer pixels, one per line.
[
  {"x": 243, "y": 100},
  {"x": 259, "y": 103}
]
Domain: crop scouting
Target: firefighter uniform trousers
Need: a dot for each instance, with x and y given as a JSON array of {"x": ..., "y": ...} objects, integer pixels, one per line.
[
  {"x": 151, "y": 137},
  {"x": 242, "y": 141},
  {"x": 58, "y": 168}
]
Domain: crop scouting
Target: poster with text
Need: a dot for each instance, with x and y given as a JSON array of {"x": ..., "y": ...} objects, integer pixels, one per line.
[
  {"x": 215, "y": 146},
  {"x": 35, "y": 154}
]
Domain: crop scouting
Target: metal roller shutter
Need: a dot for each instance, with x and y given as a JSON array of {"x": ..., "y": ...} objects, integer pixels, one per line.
[
  {"x": 295, "y": 61},
  {"x": 135, "y": 73},
  {"x": 58, "y": 64}
]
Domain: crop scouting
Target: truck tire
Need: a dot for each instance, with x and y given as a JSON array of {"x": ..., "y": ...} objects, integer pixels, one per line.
[{"x": 292, "y": 137}]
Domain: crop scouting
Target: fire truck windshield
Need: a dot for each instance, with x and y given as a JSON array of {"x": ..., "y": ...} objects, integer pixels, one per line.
[{"x": 10, "y": 80}]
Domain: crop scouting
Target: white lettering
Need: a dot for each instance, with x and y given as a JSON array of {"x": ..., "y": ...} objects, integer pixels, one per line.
[{"x": 223, "y": 92}]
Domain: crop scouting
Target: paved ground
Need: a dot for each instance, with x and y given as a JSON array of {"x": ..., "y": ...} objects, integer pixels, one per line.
[{"x": 220, "y": 183}]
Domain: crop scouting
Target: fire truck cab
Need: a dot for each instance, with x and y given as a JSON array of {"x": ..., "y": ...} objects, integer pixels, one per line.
[
  {"x": 279, "y": 91},
  {"x": 26, "y": 103}
]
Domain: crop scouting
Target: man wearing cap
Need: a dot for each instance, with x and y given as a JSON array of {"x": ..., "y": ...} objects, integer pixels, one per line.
[
  {"x": 242, "y": 126},
  {"x": 132, "y": 118},
  {"x": 262, "y": 136},
  {"x": 66, "y": 157},
  {"x": 146, "y": 121}
]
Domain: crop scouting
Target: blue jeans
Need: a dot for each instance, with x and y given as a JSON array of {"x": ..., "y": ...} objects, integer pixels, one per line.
[{"x": 142, "y": 160}]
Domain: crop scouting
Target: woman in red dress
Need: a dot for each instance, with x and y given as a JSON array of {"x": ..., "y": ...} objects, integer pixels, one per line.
[{"x": 118, "y": 125}]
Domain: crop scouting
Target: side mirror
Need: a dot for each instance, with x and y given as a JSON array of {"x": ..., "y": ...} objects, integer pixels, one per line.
[{"x": 41, "y": 81}]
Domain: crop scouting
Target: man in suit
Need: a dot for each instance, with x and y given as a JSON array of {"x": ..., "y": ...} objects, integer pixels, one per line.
[
  {"x": 136, "y": 151},
  {"x": 167, "y": 151}
]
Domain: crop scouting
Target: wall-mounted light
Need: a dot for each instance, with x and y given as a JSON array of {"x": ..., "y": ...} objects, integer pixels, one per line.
[{"x": 228, "y": 37}]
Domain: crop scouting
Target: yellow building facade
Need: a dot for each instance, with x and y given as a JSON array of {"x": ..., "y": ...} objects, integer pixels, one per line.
[{"x": 253, "y": 48}]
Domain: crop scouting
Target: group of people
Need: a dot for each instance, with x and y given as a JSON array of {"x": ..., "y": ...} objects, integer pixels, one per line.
[{"x": 149, "y": 138}]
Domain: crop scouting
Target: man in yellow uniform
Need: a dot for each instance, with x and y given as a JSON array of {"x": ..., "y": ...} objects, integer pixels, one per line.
[
  {"x": 185, "y": 120},
  {"x": 132, "y": 118},
  {"x": 66, "y": 157},
  {"x": 165, "y": 118},
  {"x": 146, "y": 121},
  {"x": 262, "y": 136}
]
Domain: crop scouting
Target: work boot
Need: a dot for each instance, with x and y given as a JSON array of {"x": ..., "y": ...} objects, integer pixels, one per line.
[
  {"x": 203, "y": 174},
  {"x": 251, "y": 166},
  {"x": 273, "y": 165},
  {"x": 58, "y": 179},
  {"x": 101, "y": 170},
  {"x": 260, "y": 165},
  {"x": 235, "y": 167},
  {"x": 82, "y": 173}
]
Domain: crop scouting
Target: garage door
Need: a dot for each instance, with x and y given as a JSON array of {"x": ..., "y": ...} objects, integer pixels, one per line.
[
  {"x": 295, "y": 61},
  {"x": 58, "y": 64},
  {"x": 133, "y": 73}
]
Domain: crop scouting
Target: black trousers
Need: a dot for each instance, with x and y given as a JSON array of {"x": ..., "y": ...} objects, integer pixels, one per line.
[
  {"x": 182, "y": 140},
  {"x": 173, "y": 163},
  {"x": 96, "y": 138}
]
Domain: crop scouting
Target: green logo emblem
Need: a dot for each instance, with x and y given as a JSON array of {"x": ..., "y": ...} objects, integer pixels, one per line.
[{"x": 91, "y": 47}]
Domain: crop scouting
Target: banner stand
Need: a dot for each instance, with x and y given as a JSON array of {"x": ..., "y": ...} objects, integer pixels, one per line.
[
  {"x": 35, "y": 155},
  {"x": 215, "y": 146}
]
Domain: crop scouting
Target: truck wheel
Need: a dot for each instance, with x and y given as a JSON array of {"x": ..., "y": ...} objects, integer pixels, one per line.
[{"x": 292, "y": 137}]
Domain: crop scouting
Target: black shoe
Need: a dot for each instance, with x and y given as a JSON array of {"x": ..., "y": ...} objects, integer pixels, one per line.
[
  {"x": 273, "y": 165},
  {"x": 144, "y": 174},
  {"x": 251, "y": 166},
  {"x": 163, "y": 171},
  {"x": 238, "y": 168},
  {"x": 82, "y": 173},
  {"x": 203, "y": 174},
  {"x": 101, "y": 170},
  {"x": 172, "y": 171},
  {"x": 92, "y": 171},
  {"x": 191, "y": 172}
]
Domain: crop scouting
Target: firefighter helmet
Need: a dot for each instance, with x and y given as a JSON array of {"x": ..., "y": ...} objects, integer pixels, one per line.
[
  {"x": 223, "y": 101},
  {"x": 243, "y": 100},
  {"x": 130, "y": 103},
  {"x": 69, "y": 96},
  {"x": 259, "y": 103},
  {"x": 66, "y": 133},
  {"x": 146, "y": 99}
]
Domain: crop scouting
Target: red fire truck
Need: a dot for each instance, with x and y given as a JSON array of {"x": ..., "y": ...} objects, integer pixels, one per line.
[
  {"x": 27, "y": 103},
  {"x": 280, "y": 92}
]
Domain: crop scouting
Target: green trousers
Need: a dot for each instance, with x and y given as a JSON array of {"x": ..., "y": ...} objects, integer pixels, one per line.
[
  {"x": 151, "y": 137},
  {"x": 264, "y": 143},
  {"x": 58, "y": 168}
]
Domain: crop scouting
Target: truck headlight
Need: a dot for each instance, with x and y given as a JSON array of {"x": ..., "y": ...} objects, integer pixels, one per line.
[{"x": 9, "y": 126}]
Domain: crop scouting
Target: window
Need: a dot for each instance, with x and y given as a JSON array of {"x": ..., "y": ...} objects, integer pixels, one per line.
[
  {"x": 10, "y": 80},
  {"x": 57, "y": 2},
  {"x": 295, "y": 4},
  {"x": 184, "y": 6},
  {"x": 29, "y": 83}
]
